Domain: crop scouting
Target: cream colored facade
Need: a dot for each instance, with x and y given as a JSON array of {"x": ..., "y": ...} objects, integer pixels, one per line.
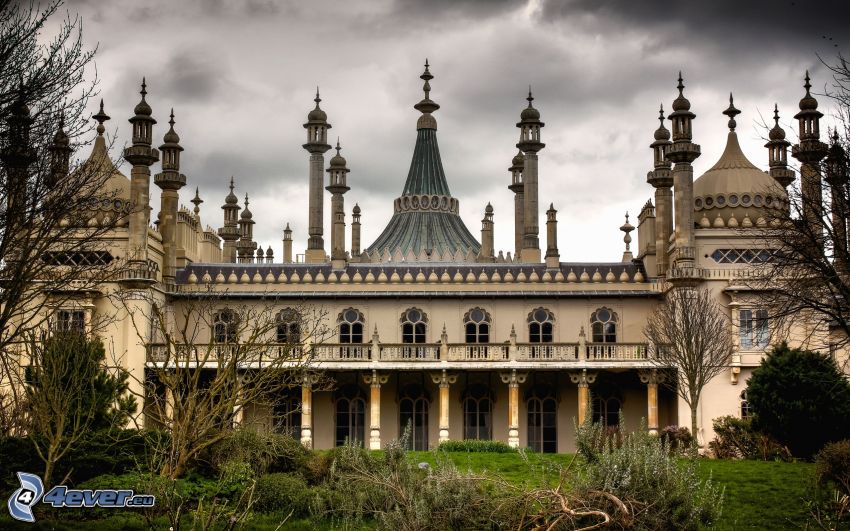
[{"x": 512, "y": 346}]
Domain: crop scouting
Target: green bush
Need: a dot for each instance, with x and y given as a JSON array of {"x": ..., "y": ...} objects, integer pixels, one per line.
[
  {"x": 265, "y": 452},
  {"x": 801, "y": 399},
  {"x": 282, "y": 492},
  {"x": 832, "y": 464},
  {"x": 736, "y": 438},
  {"x": 663, "y": 491},
  {"x": 475, "y": 445},
  {"x": 677, "y": 438}
]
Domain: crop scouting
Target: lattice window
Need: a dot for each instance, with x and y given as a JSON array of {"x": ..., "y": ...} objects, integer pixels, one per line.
[
  {"x": 78, "y": 258},
  {"x": 742, "y": 256}
]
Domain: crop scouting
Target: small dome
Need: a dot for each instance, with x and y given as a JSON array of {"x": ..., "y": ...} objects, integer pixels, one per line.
[
  {"x": 808, "y": 103},
  {"x": 269, "y": 251},
  {"x": 231, "y": 198},
  {"x": 317, "y": 115},
  {"x": 530, "y": 113},
  {"x": 681, "y": 103},
  {"x": 356, "y": 209},
  {"x": 518, "y": 160},
  {"x": 776, "y": 133},
  {"x": 171, "y": 136},
  {"x": 488, "y": 209}
]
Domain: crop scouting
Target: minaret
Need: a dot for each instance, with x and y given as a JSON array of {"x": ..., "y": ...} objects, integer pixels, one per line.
[
  {"x": 18, "y": 155},
  {"x": 170, "y": 181},
  {"x": 836, "y": 177},
  {"x": 337, "y": 172},
  {"x": 230, "y": 232},
  {"x": 516, "y": 187},
  {"x": 627, "y": 228},
  {"x": 287, "y": 245},
  {"x": 60, "y": 151},
  {"x": 683, "y": 152},
  {"x": 487, "y": 254},
  {"x": 246, "y": 245},
  {"x": 197, "y": 202},
  {"x": 269, "y": 255},
  {"x": 355, "y": 232},
  {"x": 529, "y": 142},
  {"x": 553, "y": 257},
  {"x": 317, "y": 133},
  {"x": 661, "y": 178},
  {"x": 810, "y": 151},
  {"x": 777, "y": 149},
  {"x": 141, "y": 155}
]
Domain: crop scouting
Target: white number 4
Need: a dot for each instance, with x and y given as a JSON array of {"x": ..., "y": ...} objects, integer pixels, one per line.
[{"x": 26, "y": 496}]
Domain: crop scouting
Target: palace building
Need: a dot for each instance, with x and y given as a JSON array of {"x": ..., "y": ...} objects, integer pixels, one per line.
[{"x": 431, "y": 326}]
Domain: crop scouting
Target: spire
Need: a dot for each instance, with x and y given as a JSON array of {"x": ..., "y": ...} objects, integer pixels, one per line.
[
  {"x": 529, "y": 126},
  {"x": 809, "y": 118},
  {"x": 246, "y": 214},
  {"x": 197, "y": 202},
  {"x": 731, "y": 112},
  {"x": 142, "y": 122},
  {"x": 627, "y": 228},
  {"x": 426, "y": 106},
  {"x": 100, "y": 117},
  {"x": 682, "y": 115},
  {"x": 171, "y": 150}
]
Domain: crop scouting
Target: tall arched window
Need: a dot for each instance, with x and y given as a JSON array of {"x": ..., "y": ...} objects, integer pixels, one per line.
[
  {"x": 603, "y": 324},
  {"x": 351, "y": 324},
  {"x": 540, "y": 326},
  {"x": 224, "y": 327},
  {"x": 413, "y": 406},
  {"x": 477, "y": 325},
  {"x": 287, "y": 413},
  {"x": 350, "y": 407},
  {"x": 542, "y": 420},
  {"x": 745, "y": 405},
  {"x": 606, "y": 411},
  {"x": 288, "y": 326},
  {"x": 478, "y": 413},
  {"x": 413, "y": 326}
]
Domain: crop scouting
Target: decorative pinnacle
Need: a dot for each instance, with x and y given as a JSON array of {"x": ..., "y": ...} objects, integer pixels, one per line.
[
  {"x": 427, "y": 106},
  {"x": 197, "y": 201},
  {"x": 627, "y": 228},
  {"x": 731, "y": 112},
  {"x": 835, "y": 136},
  {"x": 681, "y": 85},
  {"x": 144, "y": 91},
  {"x": 530, "y": 98},
  {"x": 807, "y": 84},
  {"x": 100, "y": 117},
  {"x": 171, "y": 118},
  {"x": 317, "y": 99},
  {"x": 246, "y": 200},
  {"x": 661, "y": 114},
  {"x": 337, "y": 146},
  {"x": 231, "y": 184},
  {"x": 287, "y": 229},
  {"x": 776, "y": 114},
  {"x": 426, "y": 76}
]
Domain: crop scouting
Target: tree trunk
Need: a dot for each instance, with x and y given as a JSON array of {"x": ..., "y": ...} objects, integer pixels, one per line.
[{"x": 694, "y": 423}]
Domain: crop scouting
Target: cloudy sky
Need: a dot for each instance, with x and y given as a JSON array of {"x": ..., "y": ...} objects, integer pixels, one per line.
[{"x": 241, "y": 75}]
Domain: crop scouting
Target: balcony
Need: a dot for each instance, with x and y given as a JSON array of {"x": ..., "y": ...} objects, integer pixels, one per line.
[{"x": 544, "y": 353}]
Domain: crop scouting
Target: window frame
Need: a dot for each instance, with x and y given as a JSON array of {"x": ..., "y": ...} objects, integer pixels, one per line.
[
  {"x": 229, "y": 331},
  {"x": 753, "y": 328},
  {"x": 349, "y": 329},
  {"x": 607, "y": 330},
  {"x": 477, "y": 332},
  {"x": 414, "y": 332},
  {"x": 541, "y": 331}
]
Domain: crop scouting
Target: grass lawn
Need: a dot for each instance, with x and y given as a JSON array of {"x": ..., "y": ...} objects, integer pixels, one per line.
[{"x": 758, "y": 495}]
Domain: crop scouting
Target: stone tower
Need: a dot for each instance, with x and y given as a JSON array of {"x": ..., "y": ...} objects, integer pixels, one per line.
[
  {"x": 529, "y": 142},
  {"x": 661, "y": 178},
  {"x": 337, "y": 177},
  {"x": 246, "y": 246},
  {"x": 170, "y": 180},
  {"x": 317, "y": 144},
  {"x": 810, "y": 151},
  {"x": 516, "y": 187},
  {"x": 230, "y": 233}
]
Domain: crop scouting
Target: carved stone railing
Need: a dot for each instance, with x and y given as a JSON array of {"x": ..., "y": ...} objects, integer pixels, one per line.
[
  {"x": 410, "y": 352},
  {"x": 547, "y": 352},
  {"x": 617, "y": 351},
  {"x": 342, "y": 352},
  {"x": 478, "y": 352}
]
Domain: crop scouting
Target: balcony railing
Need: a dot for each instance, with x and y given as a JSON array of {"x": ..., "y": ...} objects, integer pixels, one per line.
[{"x": 405, "y": 352}]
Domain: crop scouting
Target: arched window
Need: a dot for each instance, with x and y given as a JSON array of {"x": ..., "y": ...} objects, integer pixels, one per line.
[
  {"x": 603, "y": 324},
  {"x": 350, "y": 407},
  {"x": 542, "y": 420},
  {"x": 351, "y": 324},
  {"x": 287, "y": 413},
  {"x": 540, "y": 326},
  {"x": 413, "y": 406},
  {"x": 413, "y": 326},
  {"x": 745, "y": 405},
  {"x": 224, "y": 327},
  {"x": 478, "y": 413},
  {"x": 477, "y": 325},
  {"x": 288, "y": 326},
  {"x": 606, "y": 411}
]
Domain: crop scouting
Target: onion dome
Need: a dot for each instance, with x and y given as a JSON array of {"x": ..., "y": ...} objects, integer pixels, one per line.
[
  {"x": 681, "y": 103},
  {"x": 61, "y": 137},
  {"x": 231, "y": 198},
  {"x": 171, "y": 136},
  {"x": 776, "y": 133},
  {"x": 662, "y": 133},
  {"x": 488, "y": 209},
  {"x": 529, "y": 113},
  {"x": 836, "y": 162},
  {"x": 518, "y": 160},
  {"x": 734, "y": 186},
  {"x": 356, "y": 209},
  {"x": 246, "y": 214},
  {"x": 338, "y": 161},
  {"x": 808, "y": 103},
  {"x": 317, "y": 114},
  {"x": 143, "y": 109}
]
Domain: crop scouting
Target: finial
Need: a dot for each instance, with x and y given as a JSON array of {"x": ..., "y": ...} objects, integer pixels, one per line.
[
  {"x": 776, "y": 113},
  {"x": 231, "y": 183},
  {"x": 337, "y": 146},
  {"x": 681, "y": 85},
  {"x": 246, "y": 200},
  {"x": 807, "y": 84},
  {"x": 144, "y": 90},
  {"x": 287, "y": 227},
  {"x": 197, "y": 201},
  {"x": 731, "y": 112},
  {"x": 627, "y": 239},
  {"x": 835, "y": 136},
  {"x": 530, "y": 98},
  {"x": 100, "y": 117},
  {"x": 426, "y": 76},
  {"x": 317, "y": 99},
  {"x": 661, "y": 114},
  {"x": 171, "y": 118}
]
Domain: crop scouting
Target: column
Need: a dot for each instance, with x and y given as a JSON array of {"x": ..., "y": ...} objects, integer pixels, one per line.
[
  {"x": 375, "y": 381},
  {"x": 735, "y": 370},
  {"x": 583, "y": 379},
  {"x": 444, "y": 380},
  {"x": 651, "y": 378},
  {"x": 513, "y": 380},
  {"x": 239, "y": 406},
  {"x": 307, "y": 410}
]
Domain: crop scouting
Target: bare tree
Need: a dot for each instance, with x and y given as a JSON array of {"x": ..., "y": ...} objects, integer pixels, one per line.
[
  {"x": 55, "y": 214},
  {"x": 804, "y": 280},
  {"x": 691, "y": 334},
  {"x": 211, "y": 358}
]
